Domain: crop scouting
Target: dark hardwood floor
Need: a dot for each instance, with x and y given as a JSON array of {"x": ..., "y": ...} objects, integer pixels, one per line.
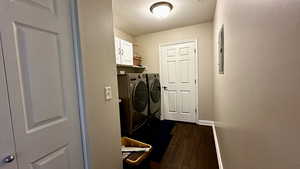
[{"x": 191, "y": 147}]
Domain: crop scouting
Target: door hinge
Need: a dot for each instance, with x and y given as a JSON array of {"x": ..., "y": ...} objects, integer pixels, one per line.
[
  {"x": 195, "y": 51},
  {"x": 196, "y": 110},
  {"x": 195, "y": 81}
]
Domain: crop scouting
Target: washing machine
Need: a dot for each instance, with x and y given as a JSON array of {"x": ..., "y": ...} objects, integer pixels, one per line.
[
  {"x": 133, "y": 93},
  {"x": 154, "y": 93}
]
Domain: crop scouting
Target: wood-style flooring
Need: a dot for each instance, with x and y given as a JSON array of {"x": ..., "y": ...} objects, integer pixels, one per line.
[{"x": 191, "y": 147}]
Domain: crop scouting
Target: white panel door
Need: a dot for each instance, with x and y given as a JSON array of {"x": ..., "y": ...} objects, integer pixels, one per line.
[
  {"x": 39, "y": 61},
  {"x": 127, "y": 52},
  {"x": 179, "y": 81},
  {"x": 7, "y": 146}
]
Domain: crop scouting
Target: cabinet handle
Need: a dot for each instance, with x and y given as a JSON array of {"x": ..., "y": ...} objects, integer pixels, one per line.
[{"x": 120, "y": 52}]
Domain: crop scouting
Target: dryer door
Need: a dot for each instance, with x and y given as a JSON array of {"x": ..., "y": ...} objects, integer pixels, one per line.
[
  {"x": 140, "y": 96},
  {"x": 155, "y": 91},
  {"x": 140, "y": 103}
]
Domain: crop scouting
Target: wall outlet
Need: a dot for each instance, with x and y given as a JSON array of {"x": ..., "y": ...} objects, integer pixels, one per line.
[{"x": 108, "y": 93}]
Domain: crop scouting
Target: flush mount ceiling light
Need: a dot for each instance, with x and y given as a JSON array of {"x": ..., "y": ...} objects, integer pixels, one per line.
[{"x": 161, "y": 9}]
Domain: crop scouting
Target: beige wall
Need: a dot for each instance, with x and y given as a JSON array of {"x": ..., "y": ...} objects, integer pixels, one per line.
[
  {"x": 148, "y": 48},
  {"x": 103, "y": 125},
  {"x": 257, "y": 101},
  {"x": 123, "y": 35}
]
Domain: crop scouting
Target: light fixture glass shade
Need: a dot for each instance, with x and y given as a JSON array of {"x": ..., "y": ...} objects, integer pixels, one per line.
[{"x": 161, "y": 9}]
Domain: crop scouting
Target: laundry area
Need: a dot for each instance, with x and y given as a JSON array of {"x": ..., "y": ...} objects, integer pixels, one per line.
[{"x": 145, "y": 136}]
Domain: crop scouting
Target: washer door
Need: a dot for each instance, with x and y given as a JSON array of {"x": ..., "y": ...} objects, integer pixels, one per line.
[
  {"x": 155, "y": 91},
  {"x": 140, "y": 96}
]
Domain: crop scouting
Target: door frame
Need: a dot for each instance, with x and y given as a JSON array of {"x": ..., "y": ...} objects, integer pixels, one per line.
[
  {"x": 196, "y": 75},
  {"x": 78, "y": 66}
]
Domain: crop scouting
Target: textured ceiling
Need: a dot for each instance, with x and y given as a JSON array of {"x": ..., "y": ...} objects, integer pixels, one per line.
[{"x": 135, "y": 18}]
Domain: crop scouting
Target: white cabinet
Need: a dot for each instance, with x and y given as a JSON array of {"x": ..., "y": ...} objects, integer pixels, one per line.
[
  {"x": 127, "y": 52},
  {"x": 118, "y": 50},
  {"x": 124, "y": 52}
]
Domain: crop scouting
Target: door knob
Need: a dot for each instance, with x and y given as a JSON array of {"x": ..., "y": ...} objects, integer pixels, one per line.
[
  {"x": 9, "y": 159},
  {"x": 165, "y": 88}
]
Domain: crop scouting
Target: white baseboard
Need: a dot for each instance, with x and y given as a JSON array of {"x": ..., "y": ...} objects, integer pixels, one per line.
[
  {"x": 217, "y": 147},
  {"x": 205, "y": 123},
  {"x": 212, "y": 124}
]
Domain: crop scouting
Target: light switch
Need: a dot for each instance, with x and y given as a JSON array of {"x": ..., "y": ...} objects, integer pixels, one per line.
[{"x": 108, "y": 93}]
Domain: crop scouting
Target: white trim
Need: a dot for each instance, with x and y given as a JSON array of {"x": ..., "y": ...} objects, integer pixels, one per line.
[
  {"x": 205, "y": 123},
  {"x": 196, "y": 75},
  {"x": 212, "y": 124},
  {"x": 197, "y": 115},
  {"x": 162, "y": 109},
  {"x": 79, "y": 81},
  {"x": 217, "y": 147},
  {"x": 176, "y": 42}
]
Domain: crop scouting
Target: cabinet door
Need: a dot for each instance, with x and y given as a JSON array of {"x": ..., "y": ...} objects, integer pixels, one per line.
[
  {"x": 6, "y": 139},
  {"x": 118, "y": 50},
  {"x": 127, "y": 52}
]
